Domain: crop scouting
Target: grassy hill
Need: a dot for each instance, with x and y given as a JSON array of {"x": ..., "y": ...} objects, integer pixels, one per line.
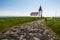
[
  {"x": 9, "y": 22},
  {"x": 54, "y": 24}
]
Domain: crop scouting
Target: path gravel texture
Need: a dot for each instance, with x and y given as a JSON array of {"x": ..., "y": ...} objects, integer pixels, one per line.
[{"x": 29, "y": 31}]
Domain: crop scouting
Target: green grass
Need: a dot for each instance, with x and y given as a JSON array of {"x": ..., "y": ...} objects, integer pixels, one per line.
[
  {"x": 6, "y": 23},
  {"x": 54, "y": 24}
]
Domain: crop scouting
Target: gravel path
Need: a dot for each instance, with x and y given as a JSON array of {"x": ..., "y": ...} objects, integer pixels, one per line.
[{"x": 29, "y": 31}]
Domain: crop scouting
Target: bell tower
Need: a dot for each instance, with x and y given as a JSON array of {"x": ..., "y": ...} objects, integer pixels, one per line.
[{"x": 40, "y": 12}]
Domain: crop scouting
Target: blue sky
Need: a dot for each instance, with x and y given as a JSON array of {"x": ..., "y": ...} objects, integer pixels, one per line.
[{"x": 25, "y": 7}]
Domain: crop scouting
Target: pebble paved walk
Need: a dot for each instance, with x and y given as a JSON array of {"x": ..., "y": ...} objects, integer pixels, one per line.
[{"x": 29, "y": 31}]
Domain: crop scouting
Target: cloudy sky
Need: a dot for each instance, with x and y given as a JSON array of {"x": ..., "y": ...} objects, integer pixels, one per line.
[{"x": 25, "y": 7}]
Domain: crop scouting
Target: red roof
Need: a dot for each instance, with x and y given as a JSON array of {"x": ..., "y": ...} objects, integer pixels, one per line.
[{"x": 34, "y": 13}]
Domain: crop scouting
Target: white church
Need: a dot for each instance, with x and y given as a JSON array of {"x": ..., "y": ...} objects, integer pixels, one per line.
[{"x": 39, "y": 13}]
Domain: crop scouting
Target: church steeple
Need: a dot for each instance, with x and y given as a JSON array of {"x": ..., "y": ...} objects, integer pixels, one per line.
[{"x": 40, "y": 9}]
